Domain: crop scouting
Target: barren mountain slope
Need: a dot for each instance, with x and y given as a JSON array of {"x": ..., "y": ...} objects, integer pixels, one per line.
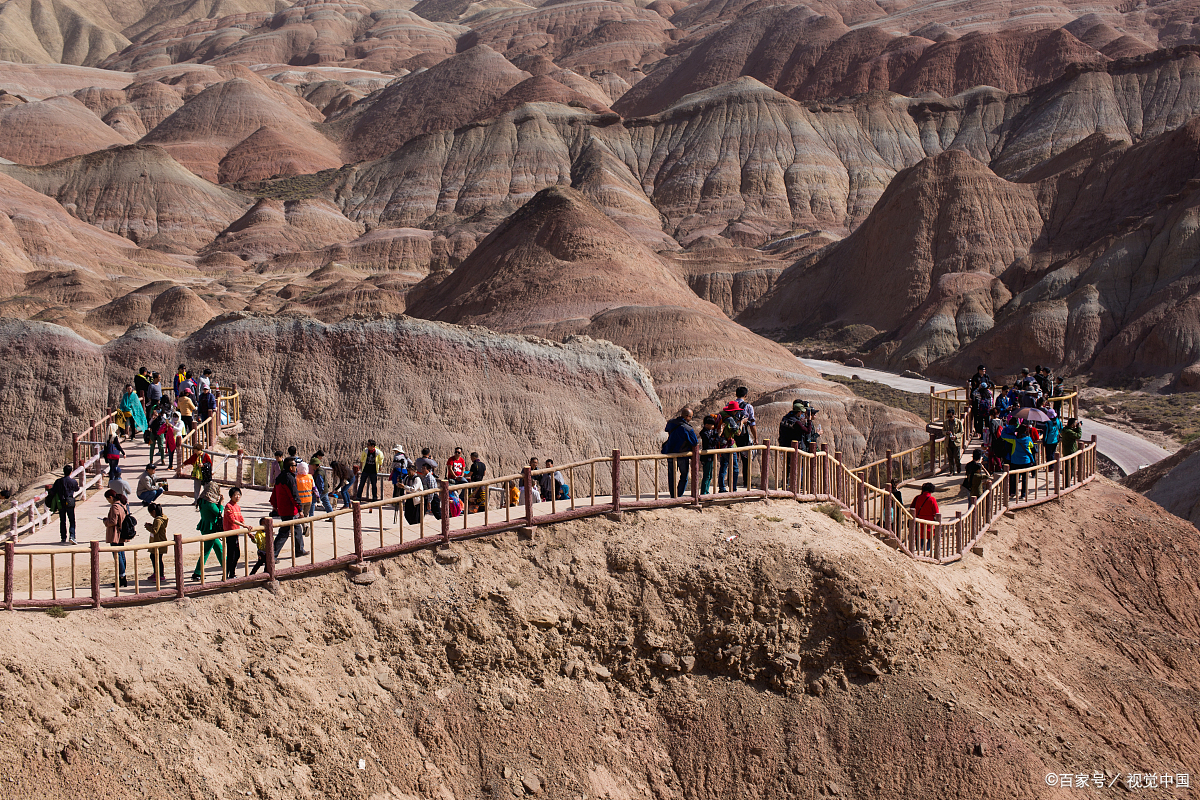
[
  {"x": 559, "y": 267},
  {"x": 650, "y": 657}
]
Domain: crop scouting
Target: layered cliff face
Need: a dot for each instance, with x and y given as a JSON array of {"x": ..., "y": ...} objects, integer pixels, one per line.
[
  {"x": 308, "y": 384},
  {"x": 1086, "y": 264}
]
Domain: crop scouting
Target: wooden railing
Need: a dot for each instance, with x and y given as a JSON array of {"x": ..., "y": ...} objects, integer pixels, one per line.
[
  {"x": 229, "y": 409},
  {"x": 85, "y": 575},
  {"x": 941, "y": 400}
]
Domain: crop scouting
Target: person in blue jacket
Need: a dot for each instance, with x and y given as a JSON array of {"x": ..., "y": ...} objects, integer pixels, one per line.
[
  {"x": 1023, "y": 455},
  {"x": 681, "y": 438}
]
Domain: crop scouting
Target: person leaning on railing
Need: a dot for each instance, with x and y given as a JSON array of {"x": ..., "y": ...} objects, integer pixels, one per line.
[{"x": 1023, "y": 454}]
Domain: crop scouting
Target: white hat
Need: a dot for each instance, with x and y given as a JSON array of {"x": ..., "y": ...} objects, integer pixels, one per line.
[
  {"x": 112, "y": 429},
  {"x": 398, "y": 449}
]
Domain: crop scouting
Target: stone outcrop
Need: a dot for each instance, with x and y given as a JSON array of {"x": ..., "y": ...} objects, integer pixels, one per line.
[{"x": 314, "y": 385}]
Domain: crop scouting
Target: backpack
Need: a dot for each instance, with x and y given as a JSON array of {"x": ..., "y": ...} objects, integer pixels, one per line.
[
  {"x": 456, "y": 506},
  {"x": 147, "y": 436},
  {"x": 205, "y": 471},
  {"x": 732, "y": 426},
  {"x": 128, "y": 528},
  {"x": 54, "y": 503}
]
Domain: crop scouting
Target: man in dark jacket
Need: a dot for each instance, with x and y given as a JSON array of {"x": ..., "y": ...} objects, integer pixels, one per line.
[
  {"x": 64, "y": 489},
  {"x": 681, "y": 438}
]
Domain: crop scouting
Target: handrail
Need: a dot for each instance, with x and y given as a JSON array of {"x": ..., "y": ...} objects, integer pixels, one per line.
[{"x": 783, "y": 473}]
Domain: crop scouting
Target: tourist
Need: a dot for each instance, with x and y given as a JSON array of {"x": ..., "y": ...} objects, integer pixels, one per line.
[
  {"x": 1023, "y": 454},
  {"x": 430, "y": 503},
  {"x": 173, "y": 432},
  {"x": 981, "y": 386},
  {"x": 981, "y": 380},
  {"x": 148, "y": 489},
  {"x": 276, "y": 467},
  {"x": 954, "y": 442},
  {"x": 284, "y": 501},
  {"x": 1058, "y": 393},
  {"x": 681, "y": 438},
  {"x": 733, "y": 423},
  {"x": 156, "y": 435},
  {"x": 207, "y": 403},
  {"x": 320, "y": 487},
  {"x": 890, "y": 515},
  {"x": 157, "y": 527},
  {"x": 119, "y": 484},
  {"x": 233, "y": 522},
  {"x": 113, "y": 524},
  {"x": 456, "y": 468},
  {"x": 544, "y": 483},
  {"x": 187, "y": 409},
  {"x": 62, "y": 497},
  {"x": 925, "y": 509},
  {"x": 1071, "y": 435},
  {"x": 180, "y": 377},
  {"x": 749, "y": 434},
  {"x": 977, "y": 475},
  {"x": 343, "y": 481},
  {"x": 1043, "y": 380},
  {"x": 113, "y": 450},
  {"x": 1052, "y": 435},
  {"x": 709, "y": 439},
  {"x": 370, "y": 464},
  {"x": 925, "y": 505},
  {"x": 793, "y": 429},
  {"x": 210, "y": 522},
  {"x": 562, "y": 490},
  {"x": 1028, "y": 390},
  {"x": 201, "y": 474},
  {"x": 154, "y": 394},
  {"x": 141, "y": 382},
  {"x": 206, "y": 380},
  {"x": 427, "y": 461},
  {"x": 476, "y": 474},
  {"x": 536, "y": 494},
  {"x": 304, "y": 499},
  {"x": 131, "y": 409}
]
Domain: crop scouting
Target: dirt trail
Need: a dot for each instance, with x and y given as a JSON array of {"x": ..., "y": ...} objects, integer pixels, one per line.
[{"x": 756, "y": 651}]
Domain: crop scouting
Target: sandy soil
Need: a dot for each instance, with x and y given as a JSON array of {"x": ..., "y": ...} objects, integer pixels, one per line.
[{"x": 756, "y": 651}]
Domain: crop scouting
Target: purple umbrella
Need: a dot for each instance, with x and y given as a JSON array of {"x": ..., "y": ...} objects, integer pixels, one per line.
[{"x": 1033, "y": 415}]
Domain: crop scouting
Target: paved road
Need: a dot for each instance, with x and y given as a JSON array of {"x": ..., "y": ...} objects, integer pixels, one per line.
[{"x": 1127, "y": 451}]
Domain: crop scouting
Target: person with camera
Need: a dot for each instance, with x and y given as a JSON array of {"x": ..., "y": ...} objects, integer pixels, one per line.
[
  {"x": 1070, "y": 437},
  {"x": 749, "y": 434}
]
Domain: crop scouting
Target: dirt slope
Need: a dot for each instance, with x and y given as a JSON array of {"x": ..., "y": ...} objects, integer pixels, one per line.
[{"x": 646, "y": 658}]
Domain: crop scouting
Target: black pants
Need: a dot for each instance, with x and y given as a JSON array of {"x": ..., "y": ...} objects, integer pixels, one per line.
[
  {"x": 368, "y": 479},
  {"x": 233, "y": 554},
  {"x": 157, "y": 556},
  {"x": 684, "y": 465},
  {"x": 187, "y": 422},
  {"x": 1012, "y": 484},
  {"x": 1051, "y": 449},
  {"x": 67, "y": 515},
  {"x": 743, "y": 441},
  {"x": 954, "y": 455}
]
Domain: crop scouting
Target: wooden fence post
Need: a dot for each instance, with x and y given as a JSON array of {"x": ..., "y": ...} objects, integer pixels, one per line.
[
  {"x": 241, "y": 457},
  {"x": 695, "y": 469},
  {"x": 958, "y": 532},
  {"x": 95, "y": 573},
  {"x": 1004, "y": 495},
  {"x": 839, "y": 490},
  {"x": 765, "y": 479},
  {"x": 1057, "y": 474},
  {"x": 794, "y": 471},
  {"x": 932, "y": 454},
  {"x": 527, "y": 483},
  {"x": 616, "y": 484},
  {"x": 356, "y": 518},
  {"x": 269, "y": 544},
  {"x": 861, "y": 500},
  {"x": 1091, "y": 462},
  {"x": 444, "y": 494},
  {"x": 825, "y": 469},
  {"x": 10, "y": 558},
  {"x": 888, "y": 453},
  {"x": 180, "y": 589}
]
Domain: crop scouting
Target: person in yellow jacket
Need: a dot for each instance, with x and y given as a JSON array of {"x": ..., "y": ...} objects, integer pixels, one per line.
[{"x": 371, "y": 464}]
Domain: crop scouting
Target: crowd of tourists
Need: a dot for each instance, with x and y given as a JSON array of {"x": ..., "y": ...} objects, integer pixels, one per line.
[
  {"x": 735, "y": 425},
  {"x": 1017, "y": 424}
]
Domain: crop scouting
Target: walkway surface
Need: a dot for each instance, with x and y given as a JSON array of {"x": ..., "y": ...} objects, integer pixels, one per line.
[{"x": 1127, "y": 451}]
